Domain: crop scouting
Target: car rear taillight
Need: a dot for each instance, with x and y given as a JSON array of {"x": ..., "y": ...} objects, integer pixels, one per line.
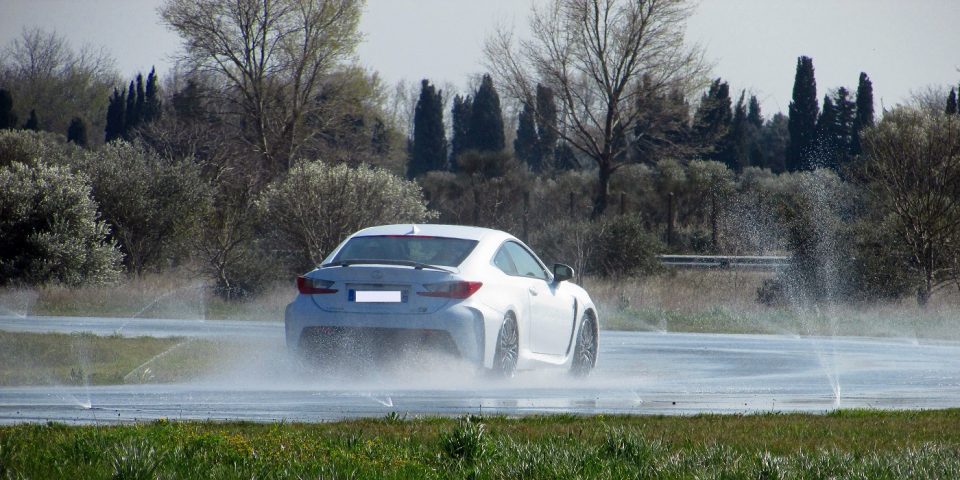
[
  {"x": 459, "y": 290},
  {"x": 314, "y": 286}
]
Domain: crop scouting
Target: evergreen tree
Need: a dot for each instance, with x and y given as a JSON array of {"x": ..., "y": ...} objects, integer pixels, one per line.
[
  {"x": 662, "y": 126},
  {"x": 734, "y": 152},
  {"x": 187, "y": 103},
  {"x": 546, "y": 127},
  {"x": 864, "y": 111},
  {"x": 772, "y": 143},
  {"x": 461, "y": 113},
  {"x": 115, "y": 116},
  {"x": 566, "y": 157},
  {"x": 843, "y": 127},
  {"x": 526, "y": 143},
  {"x": 131, "y": 115},
  {"x": 952, "y": 102},
  {"x": 428, "y": 151},
  {"x": 825, "y": 153},
  {"x": 77, "y": 132},
  {"x": 141, "y": 101},
  {"x": 802, "y": 116},
  {"x": 152, "y": 107},
  {"x": 486, "y": 119},
  {"x": 753, "y": 113},
  {"x": 33, "y": 123},
  {"x": 8, "y": 119},
  {"x": 711, "y": 124},
  {"x": 753, "y": 129}
]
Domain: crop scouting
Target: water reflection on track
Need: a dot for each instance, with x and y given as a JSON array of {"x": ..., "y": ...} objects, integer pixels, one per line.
[{"x": 639, "y": 373}]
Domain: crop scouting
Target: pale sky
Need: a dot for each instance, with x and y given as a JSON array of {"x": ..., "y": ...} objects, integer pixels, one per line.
[{"x": 754, "y": 44}]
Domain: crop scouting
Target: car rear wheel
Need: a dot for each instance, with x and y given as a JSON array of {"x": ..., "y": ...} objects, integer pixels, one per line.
[
  {"x": 585, "y": 353},
  {"x": 508, "y": 348}
]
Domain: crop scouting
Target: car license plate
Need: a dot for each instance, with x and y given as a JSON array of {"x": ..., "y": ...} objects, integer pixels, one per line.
[{"x": 376, "y": 296}]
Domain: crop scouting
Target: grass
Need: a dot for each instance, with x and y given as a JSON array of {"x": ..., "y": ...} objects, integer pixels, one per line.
[
  {"x": 79, "y": 359},
  {"x": 712, "y": 301},
  {"x": 846, "y": 444},
  {"x": 177, "y": 294},
  {"x": 725, "y": 302}
]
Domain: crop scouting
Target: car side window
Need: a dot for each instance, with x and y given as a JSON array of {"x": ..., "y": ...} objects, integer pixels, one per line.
[
  {"x": 503, "y": 262},
  {"x": 527, "y": 265}
]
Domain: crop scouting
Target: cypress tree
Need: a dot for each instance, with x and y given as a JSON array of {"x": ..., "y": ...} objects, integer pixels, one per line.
[
  {"x": 546, "y": 127},
  {"x": 131, "y": 115},
  {"x": 151, "y": 105},
  {"x": 115, "y": 116},
  {"x": 844, "y": 125},
  {"x": 77, "y": 132},
  {"x": 33, "y": 123},
  {"x": 825, "y": 154},
  {"x": 952, "y": 102},
  {"x": 803, "y": 113},
  {"x": 428, "y": 150},
  {"x": 864, "y": 111},
  {"x": 525, "y": 145},
  {"x": 753, "y": 112},
  {"x": 8, "y": 119},
  {"x": 753, "y": 128},
  {"x": 461, "y": 113},
  {"x": 734, "y": 153},
  {"x": 486, "y": 119},
  {"x": 141, "y": 101},
  {"x": 712, "y": 121}
]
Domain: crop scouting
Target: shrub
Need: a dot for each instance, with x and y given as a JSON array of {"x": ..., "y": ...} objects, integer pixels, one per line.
[
  {"x": 153, "y": 204},
  {"x": 29, "y": 147},
  {"x": 307, "y": 213},
  {"x": 623, "y": 247},
  {"x": 49, "y": 230}
]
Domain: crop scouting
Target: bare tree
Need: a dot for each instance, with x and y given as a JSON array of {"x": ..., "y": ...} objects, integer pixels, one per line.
[
  {"x": 912, "y": 167},
  {"x": 272, "y": 56},
  {"x": 599, "y": 57},
  {"x": 45, "y": 74}
]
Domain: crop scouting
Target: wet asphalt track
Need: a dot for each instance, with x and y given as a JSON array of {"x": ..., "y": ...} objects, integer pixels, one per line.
[{"x": 638, "y": 373}]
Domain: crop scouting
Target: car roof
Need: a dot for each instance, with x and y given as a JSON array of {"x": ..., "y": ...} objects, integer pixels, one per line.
[{"x": 433, "y": 230}]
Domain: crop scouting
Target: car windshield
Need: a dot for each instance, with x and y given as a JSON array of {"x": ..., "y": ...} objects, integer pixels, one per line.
[{"x": 448, "y": 252}]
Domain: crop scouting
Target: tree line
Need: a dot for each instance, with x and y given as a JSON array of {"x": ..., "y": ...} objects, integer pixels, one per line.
[{"x": 601, "y": 139}]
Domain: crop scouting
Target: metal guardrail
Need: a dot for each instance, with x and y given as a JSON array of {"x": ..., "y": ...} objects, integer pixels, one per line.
[{"x": 732, "y": 262}]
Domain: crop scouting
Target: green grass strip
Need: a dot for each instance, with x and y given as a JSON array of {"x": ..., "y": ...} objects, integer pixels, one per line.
[{"x": 846, "y": 444}]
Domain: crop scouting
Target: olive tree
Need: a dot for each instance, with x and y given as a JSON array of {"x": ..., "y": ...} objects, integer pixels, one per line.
[
  {"x": 600, "y": 58},
  {"x": 50, "y": 230},
  {"x": 315, "y": 206},
  {"x": 912, "y": 170},
  {"x": 154, "y": 204}
]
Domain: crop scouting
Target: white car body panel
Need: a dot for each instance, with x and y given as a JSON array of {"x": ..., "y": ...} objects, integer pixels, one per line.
[{"x": 548, "y": 313}]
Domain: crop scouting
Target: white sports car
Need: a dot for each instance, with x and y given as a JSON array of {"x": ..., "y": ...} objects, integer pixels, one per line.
[{"x": 478, "y": 293}]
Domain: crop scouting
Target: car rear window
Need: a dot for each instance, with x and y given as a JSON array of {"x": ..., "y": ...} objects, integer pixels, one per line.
[{"x": 447, "y": 252}]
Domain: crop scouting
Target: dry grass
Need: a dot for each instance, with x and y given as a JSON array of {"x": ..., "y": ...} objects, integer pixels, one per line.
[
  {"x": 726, "y": 301},
  {"x": 676, "y": 301},
  {"x": 173, "y": 295}
]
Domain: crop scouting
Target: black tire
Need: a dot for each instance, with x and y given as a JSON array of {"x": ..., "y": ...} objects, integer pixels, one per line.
[
  {"x": 585, "y": 353},
  {"x": 508, "y": 349}
]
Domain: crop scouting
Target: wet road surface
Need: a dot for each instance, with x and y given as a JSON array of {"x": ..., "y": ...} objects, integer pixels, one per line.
[{"x": 638, "y": 373}]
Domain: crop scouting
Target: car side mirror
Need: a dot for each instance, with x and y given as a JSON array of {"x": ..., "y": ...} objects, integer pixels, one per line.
[{"x": 562, "y": 272}]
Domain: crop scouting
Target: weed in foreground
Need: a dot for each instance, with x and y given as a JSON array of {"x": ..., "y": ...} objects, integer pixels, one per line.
[{"x": 466, "y": 442}]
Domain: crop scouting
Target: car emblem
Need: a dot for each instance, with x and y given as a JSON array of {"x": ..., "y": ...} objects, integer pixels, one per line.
[{"x": 377, "y": 274}]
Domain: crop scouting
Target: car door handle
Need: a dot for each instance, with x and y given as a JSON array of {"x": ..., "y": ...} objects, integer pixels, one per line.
[{"x": 532, "y": 290}]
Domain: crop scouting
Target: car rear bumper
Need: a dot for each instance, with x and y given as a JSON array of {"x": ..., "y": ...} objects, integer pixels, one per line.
[{"x": 462, "y": 324}]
